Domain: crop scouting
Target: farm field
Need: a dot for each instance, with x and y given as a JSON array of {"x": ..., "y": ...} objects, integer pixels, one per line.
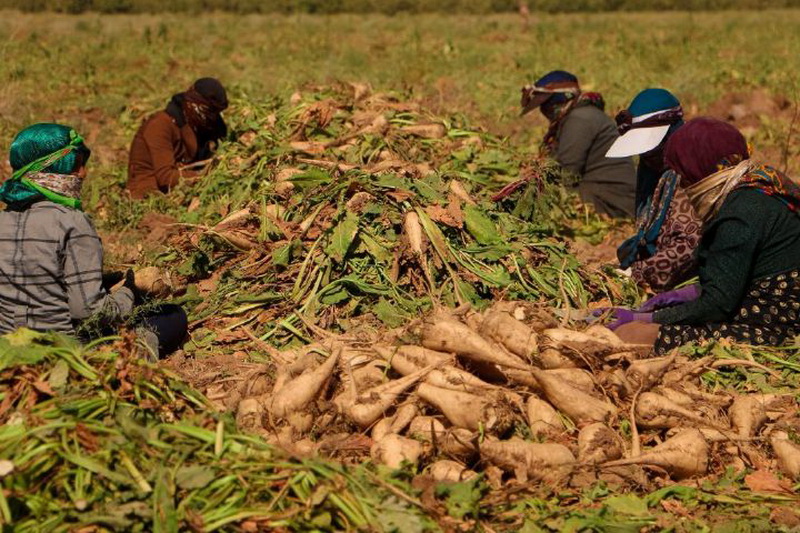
[{"x": 354, "y": 202}]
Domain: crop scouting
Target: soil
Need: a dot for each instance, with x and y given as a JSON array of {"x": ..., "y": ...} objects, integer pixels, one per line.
[
  {"x": 602, "y": 254},
  {"x": 157, "y": 227},
  {"x": 745, "y": 110},
  {"x": 757, "y": 111}
]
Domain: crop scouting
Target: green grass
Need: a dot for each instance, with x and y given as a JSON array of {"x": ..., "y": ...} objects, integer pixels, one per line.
[
  {"x": 389, "y": 7},
  {"x": 103, "y": 73}
]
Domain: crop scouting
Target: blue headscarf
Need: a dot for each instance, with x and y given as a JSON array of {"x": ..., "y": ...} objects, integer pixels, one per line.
[
  {"x": 660, "y": 106},
  {"x": 652, "y": 103}
]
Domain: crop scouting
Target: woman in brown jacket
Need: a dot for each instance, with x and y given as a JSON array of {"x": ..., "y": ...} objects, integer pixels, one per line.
[{"x": 184, "y": 133}]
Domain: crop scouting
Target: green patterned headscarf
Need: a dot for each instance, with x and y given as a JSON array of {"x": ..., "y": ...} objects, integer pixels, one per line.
[{"x": 42, "y": 148}]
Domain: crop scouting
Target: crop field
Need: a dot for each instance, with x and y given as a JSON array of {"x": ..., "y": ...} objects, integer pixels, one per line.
[{"x": 386, "y": 287}]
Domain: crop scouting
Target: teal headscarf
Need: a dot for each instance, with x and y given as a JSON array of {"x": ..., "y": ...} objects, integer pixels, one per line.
[{"x": 42, "y": 148}]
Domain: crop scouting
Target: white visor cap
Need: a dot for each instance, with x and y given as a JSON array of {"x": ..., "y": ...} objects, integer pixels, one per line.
[{"x": 638, "y": 140}]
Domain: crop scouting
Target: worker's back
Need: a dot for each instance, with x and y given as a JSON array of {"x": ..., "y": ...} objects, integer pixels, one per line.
[
  {"x": 39, "y": 265},
  {"x": 584, "y": 139}
]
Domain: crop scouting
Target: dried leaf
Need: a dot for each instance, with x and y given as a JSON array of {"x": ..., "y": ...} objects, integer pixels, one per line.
[
  {"x": 44, "y": 388},
  {"x": 765, "y": 481},
  {"x": 675, "y": 507},
  {"x": 400, "y": 195},
  {"x": 444, "y": 216}
]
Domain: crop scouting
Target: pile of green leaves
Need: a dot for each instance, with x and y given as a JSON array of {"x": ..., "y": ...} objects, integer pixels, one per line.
[
  {"x": 330, "y": 194},
  {"x": 93, "y": 437}
]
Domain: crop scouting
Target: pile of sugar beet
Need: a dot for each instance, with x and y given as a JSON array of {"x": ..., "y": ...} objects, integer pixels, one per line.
[{"x": 507, "y": 393}]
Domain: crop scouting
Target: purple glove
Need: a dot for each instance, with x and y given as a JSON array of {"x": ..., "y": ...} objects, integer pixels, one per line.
[
  {"x": 624, "y": 316},
  {"x": 670, "y": 298}
]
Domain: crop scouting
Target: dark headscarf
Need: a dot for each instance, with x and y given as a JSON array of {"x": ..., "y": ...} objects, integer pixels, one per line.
[
  {"x": 556, "y": 87},
  {"x": 701, "y": 148},
  {"x": 201, "y": 107},
  {"x": 213, "y": 94},
  {"x": 556, "y": 94},
  {"x": 712, "y": 158}
]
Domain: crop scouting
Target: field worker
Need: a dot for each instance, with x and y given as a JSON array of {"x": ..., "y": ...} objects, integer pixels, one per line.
[
  {"x": 51, "y": 258},
  {"x": 169, "y": 141},
  {"x": 749, "y": 254},
  {"x": 579, "y": 136},
  {"x": 661, "y": 254}
]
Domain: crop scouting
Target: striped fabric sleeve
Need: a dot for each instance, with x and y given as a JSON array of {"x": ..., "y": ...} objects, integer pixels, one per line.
[{"x": 83, "y": 273}]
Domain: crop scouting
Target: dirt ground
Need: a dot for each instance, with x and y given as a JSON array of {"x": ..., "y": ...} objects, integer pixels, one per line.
[{"x": 761, "y": 116}]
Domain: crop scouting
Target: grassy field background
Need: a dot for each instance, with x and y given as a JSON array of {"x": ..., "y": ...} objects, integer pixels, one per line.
[
  {"x": 389, "y": 7},
  {"x": 104, "y": 73}
]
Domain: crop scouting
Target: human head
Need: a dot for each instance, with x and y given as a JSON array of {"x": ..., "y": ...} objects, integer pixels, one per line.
[
  {"x": 212, "y": 92},
  {"x": 552, "y": 89},
  {"x": 702, "y": 147},
  {"x": 202, "y": 104},
  {"x": 31, "y": 147},
  {"x": 652, "y": 116}
]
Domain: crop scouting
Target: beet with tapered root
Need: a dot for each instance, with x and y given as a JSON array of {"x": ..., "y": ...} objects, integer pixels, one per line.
[
  {"x": 656, "y": 411},
  {"x": 369, "y": 405},
  {"x": 469, "y": 411},
  {"x": 542, "y": 418},
  {"x": 301, "y": 391},
  {"x": 787, "y": 453},
  {"x": 509, "y": 332},
  {"x": 537, "y": 461},
  {"x": 684, "y": 455},
  {"x": 446, "y": 334},
  {"x": 580, "y": 406},
  {"x": 597, "y": 443}
]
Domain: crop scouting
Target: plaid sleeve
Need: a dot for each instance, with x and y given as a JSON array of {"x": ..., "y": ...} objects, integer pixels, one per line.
[{"x": 83, "y": 271}]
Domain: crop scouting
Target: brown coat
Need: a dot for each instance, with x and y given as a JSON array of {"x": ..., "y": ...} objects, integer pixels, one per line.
[{"x": 158, "y": 149}]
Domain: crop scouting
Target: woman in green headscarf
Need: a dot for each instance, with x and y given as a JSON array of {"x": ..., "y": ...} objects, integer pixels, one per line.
[
  {"x": 51, "y": 258},
  {"x": 49, "y": 162}
]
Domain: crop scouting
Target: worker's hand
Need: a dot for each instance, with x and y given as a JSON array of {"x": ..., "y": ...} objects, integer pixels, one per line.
[
  {"x": 670, "y": 298},
  {"x": 526, "y": 96},
  {"x": 623, "y": 316},
  {"x": 189, "y": 176},
  {"x": 198, "y": 166},
  {"x": 130, "y": 284},
  {"x": 113, "y": 280}
]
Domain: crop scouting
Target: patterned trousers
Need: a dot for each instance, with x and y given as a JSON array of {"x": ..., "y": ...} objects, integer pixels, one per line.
[{"x": 768, "y": 316}]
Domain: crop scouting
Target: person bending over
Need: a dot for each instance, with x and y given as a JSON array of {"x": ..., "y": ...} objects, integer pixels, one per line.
[
  {"x": 169, "y": 141},
  {"x": 661, "y": 253},
  {"x": 578, "y": 138},
  {"x": 51, "y": 258},
  {"x": 749, "y": 253}
]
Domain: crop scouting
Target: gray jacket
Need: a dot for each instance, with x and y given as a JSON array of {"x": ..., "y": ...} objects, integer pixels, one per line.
[
  {"x": 584, "y": 139},
  {"x": 51, "y": 265}
]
